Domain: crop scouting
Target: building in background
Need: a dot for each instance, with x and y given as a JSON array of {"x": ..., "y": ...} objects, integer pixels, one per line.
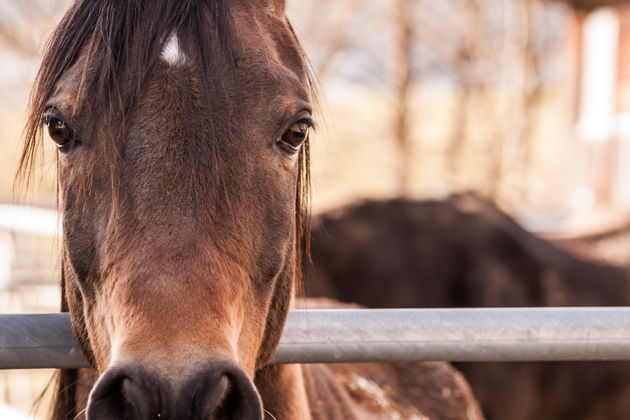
[{"x": 599, "y": 172}]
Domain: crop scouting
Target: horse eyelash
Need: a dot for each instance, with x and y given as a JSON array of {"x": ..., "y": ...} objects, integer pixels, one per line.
[{"x": 49, "y": 113}]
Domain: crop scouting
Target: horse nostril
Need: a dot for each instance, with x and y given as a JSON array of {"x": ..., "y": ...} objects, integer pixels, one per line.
[
  {"x": 214, "y": 397},
  {"x": 121, "y": 395},
  {"x": 227, "y": 393}
]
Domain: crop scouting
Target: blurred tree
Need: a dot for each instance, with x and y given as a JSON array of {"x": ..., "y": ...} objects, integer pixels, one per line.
[
  {"x": 404, "y": 82},
  {"x": 325, "y": 45},
  {"x": 499, "y": 45},
  {"x": 23, "y": 21},
  {"x": 496, "y": 54},
  {"x": 463, "y": 58},
  {"x": 534, "y": 56}
]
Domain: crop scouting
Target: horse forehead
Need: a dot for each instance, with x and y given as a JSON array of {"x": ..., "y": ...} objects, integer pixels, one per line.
[{"x": 172, "y": 52}]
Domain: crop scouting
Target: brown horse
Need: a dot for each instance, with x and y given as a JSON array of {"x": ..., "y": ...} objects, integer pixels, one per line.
[
  {"x": 182, "y": 135},
  {"x": 465, "y": 252}
]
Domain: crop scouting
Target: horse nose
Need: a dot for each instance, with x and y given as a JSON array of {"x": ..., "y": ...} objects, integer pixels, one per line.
[{"x": 221, "y": 391}]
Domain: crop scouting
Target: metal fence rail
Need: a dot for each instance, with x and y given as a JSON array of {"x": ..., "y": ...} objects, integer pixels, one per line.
[{"x": 519, "y": 334}]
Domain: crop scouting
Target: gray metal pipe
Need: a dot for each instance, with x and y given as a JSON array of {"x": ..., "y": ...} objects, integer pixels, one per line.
[
  {"x": 329, "y": 336},
  {"x": 515, "y": 334},
  {"x": 38, "y": 341}
]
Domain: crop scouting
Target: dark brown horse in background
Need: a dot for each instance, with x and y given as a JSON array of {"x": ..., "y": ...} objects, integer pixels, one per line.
[
  {"x": 465, "y": 252},
  {"x": 182, "y": 136}
]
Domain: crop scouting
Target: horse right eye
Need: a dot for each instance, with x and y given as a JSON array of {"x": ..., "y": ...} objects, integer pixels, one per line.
[{"x": 60, "y": 132}]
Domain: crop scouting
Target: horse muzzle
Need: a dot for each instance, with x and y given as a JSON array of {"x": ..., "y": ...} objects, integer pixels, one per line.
[{"x": 222, "y": 390}]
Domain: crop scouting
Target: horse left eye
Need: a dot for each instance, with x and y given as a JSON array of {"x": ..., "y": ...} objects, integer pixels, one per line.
[{"x": 295, "y": 136}]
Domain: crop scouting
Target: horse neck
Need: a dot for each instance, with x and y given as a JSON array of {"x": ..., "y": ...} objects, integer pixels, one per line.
[{"x": 283, "y": 392}]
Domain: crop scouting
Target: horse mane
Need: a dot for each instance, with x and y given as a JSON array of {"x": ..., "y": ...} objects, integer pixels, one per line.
[{"x": 123, "y": 42}]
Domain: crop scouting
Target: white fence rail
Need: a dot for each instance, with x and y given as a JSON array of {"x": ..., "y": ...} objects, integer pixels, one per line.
[
  {"x": 27, "y": 246},
  {"x": 329, "y": 336},
  {"x": 36, "y": 220}
]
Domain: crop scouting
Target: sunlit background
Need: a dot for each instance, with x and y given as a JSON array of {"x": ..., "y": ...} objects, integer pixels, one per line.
[{"x": 526, "y": 102}]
